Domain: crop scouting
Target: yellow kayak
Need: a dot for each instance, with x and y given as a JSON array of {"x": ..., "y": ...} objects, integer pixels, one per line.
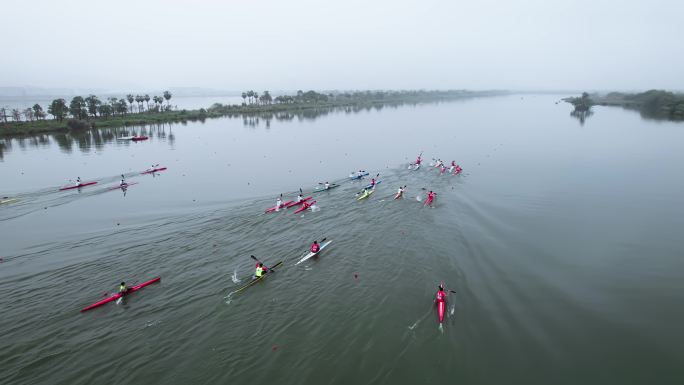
[{"x": 365, "y": 194}]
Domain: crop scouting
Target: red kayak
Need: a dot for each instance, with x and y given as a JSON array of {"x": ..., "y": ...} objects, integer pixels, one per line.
[
  {"x": 441, "y": 307},
  {"x": 292, "y": 204},
  {"x": 153, "y": 170},
  {"x": 77, "y": 186},
  {"x": 122, "y": 186},
  {"x": 116, "y": 296},
  {"x": 304, "y": 207},
  {"x": 282, "y": 206},
  {"x": 139, "y": 138}
]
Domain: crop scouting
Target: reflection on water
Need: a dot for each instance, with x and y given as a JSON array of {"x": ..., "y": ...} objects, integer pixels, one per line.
[
  {"x": 581, "y": 115},
  {"x": 86, "y": 140}
]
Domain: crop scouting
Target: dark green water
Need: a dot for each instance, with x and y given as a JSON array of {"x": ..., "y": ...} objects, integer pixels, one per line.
[{"x": 562, "y": 241}]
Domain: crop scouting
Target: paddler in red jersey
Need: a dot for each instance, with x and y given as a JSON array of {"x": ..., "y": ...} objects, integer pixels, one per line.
[
  {"x": 458, "y": 170},
  {"x": 430, "y": 198},
  {"x": 315, "y": 247},
  {"x": 441, "y": 295},
  {"x": 372, "y": 183},
  {"x": 306, "y": 205},
  {"x": 418, "y": 160}
]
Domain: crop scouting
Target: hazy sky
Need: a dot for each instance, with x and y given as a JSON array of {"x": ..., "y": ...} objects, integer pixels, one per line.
[{"x": 346, "y": 44}]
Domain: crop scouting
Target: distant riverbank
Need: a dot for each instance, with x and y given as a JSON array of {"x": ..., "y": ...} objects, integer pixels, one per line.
[
  {"x": 654, "y": 104},
  {"x": 90, "y": 112}
]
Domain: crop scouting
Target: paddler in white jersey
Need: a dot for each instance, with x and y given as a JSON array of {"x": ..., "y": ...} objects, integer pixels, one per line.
[
  {"x": 300, "y": 198},
  {"x": 279, "y": 202},
  {"x": 123, "y": 181},
  {"x": 326, "y": 185},
  {"x": 78, "y": 181}
]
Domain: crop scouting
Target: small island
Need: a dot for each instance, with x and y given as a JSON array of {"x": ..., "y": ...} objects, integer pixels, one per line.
[
  {"x": 83, "y": 113},
  {"x": 653, "y": 104}
]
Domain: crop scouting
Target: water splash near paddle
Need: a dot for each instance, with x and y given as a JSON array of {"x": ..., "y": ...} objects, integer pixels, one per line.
[{"x": 234, "y": 277}]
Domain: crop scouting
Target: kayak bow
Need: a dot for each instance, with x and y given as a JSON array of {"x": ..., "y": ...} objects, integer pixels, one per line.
[{"x": 116, "y": 296}]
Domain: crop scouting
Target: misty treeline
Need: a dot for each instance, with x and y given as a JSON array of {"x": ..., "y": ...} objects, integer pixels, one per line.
[
  {"x": 89, "y": 107},
  {"x": 654, "y": 103},
  {"x": 253, "y": 101}
]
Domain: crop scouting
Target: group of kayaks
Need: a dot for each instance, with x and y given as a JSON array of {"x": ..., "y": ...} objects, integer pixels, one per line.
[
  {"x": 80, "y": 185},
  {"x": 304, "y": 203}
]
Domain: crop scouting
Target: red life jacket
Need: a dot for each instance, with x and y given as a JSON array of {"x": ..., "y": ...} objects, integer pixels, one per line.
[{"x": 315, "y": 247}]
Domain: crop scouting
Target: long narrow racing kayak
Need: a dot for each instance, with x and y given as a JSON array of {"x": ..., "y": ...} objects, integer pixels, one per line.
[
  {"x": 377, "y": 182},
  {"x": 365, "y": 194},
  {"x": 321, "y": 188},
  {"x": 139, "y": 138},
  {"x": 124, "y": 186},
  {"x": 293, "y": 204},
  {"x": 8, "y": 200},
  {"x": 282, "y": 206},
  {"x": 310, "y": 254},
  {"x": 116, "y": 296},
  {"x": 255, "y": 280},
  {"x": 156, "y": 169},
  {"x": 299, "y": 210},
  {"x": 77, "y": 186},
  {"x": 441, "y": 307},
  {"x": 358, "y": 175}
]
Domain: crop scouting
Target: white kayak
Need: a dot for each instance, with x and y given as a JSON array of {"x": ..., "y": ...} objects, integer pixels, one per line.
[{"x": 309, "y": 255}]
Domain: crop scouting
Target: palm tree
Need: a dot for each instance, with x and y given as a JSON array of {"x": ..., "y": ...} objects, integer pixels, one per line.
[
  {"x": 147, "y": 100},
  {"x": 167, "y": 96},
  {"x": 130, "y": 101},
  {"x": 244, "y": 96},
  {"x": 139, "y": 99}
]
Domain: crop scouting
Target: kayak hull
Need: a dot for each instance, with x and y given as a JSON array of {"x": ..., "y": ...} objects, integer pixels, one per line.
[
  {"x": 139, "y": 138},
  {"x": 299, "y": 210},
  {"x": 293, "y": 204},
  {"x": 127, "y": 185},
  {"x": 255, "y": 280},
  {"x": 116, "y": 296},
  {"x": 77, "y": 186},
  {"x": 365, "y": 195},
  {"x": 441, "y": 308},
  {"x": 310, "y": 254},
  {"x": 321, "y": 189},
  {"x": 359, "y": 176},
  {"x": 153, "y": 170},
  {"x": 282, "y": 206},
  {"x": 377, "y": 182}
]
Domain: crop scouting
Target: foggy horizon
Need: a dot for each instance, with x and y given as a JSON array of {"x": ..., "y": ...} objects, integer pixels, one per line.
[{"x": 351, "y": 45}]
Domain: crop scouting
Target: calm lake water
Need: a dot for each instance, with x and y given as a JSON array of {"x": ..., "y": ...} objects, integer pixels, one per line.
[{"x": 562, "y": 241}]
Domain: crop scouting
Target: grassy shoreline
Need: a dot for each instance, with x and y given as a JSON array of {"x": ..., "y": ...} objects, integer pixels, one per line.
[{"x": 367, "y": 100}]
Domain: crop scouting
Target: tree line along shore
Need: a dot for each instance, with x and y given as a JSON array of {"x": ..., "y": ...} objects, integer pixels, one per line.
[
  {"x": 92, "y": 112},
  {"x": 655, "y": 104}
]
